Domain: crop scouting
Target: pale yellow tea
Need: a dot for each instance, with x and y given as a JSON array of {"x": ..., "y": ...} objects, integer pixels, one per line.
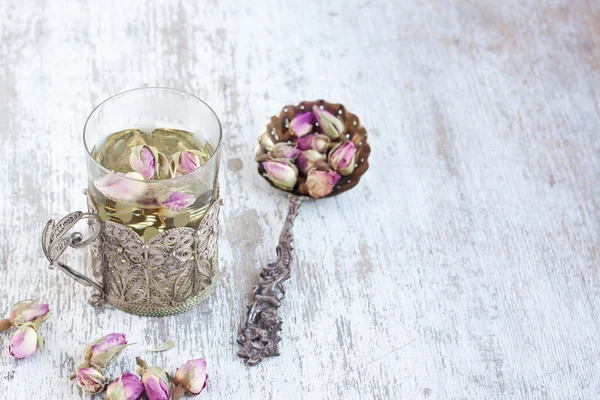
[{"x": 151, "y": 186}]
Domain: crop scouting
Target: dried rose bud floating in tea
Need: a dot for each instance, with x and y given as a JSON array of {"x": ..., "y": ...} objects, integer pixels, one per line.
[{"x": 156, "y": 179}]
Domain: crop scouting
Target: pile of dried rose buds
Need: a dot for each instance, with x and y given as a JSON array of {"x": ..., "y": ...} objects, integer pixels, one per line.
[
  {"x": 27, "y": 316},
  {"x": 154, "y": 383},
  {"x": 319, "y": 152}
]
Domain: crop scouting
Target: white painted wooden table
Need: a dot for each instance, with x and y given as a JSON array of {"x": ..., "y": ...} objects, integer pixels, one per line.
[{"x": 465, "y": 265}]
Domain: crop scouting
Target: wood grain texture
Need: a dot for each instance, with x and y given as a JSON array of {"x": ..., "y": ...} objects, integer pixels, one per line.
[{"x": 466, "y": 263}]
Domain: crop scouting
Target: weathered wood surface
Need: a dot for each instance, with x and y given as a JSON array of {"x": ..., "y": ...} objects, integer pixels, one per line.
[{"x": 465, "y": 265}]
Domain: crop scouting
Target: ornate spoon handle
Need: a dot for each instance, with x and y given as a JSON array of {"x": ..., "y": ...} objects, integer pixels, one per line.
[{"x": 259, "y": 337}]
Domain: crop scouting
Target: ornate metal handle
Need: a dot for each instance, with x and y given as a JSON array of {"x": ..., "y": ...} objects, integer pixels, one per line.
[
  {"x": 259, "y": 335},
  {"x": 55, "y": 241}
]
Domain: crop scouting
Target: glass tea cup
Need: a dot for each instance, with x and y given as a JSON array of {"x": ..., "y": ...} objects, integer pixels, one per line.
[{"x": 152, "y": 159}]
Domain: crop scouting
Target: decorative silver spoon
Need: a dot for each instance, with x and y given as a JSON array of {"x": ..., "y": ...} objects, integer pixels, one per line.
[{"x": 259, "y": 334}]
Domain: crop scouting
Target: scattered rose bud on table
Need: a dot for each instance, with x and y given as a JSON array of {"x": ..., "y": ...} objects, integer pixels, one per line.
[
  {"x": 28, "y": 311},
  {"x": 190, "y": 378},
  {"x": 104, "y": 351},
  {"x": 302, "y": 124},
  {"x": 154, "y": 379},
  {"x": 27, "y": 316},
  {"x": 90, "y": 379},
  {"x": 25, "y": 342},
  {"x": 126, "y": 387}
]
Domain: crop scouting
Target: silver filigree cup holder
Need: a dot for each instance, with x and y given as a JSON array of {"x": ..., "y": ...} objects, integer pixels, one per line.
[
  {"x": 149, "y": 257},
  {"x": 170, "y": 274},
  {"x": 259, "y": 334}
]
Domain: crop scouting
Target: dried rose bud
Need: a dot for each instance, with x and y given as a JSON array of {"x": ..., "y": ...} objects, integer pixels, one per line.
[
  {"x": 104, "y": 351},
  {"x": 126, "y": 387},
  {"x": 321, "y": 183},
  {"x": 331, "y": 125},
  {"x": 282, "y": 173},
  {"x": 341, "y": 158},
  {"x": 25, "y": 342},
  {"x": 308, "y": 160},
  {"x": 148, "y": 161},
  {"x": 284, "y": 150},
  {"x": 144, "y": 159},
  {"x": 177, "y": 201},
  {"x": 28, "y": 311},
  {"x": 314, "y": 141},
  {"x": 302, "y": 124},
  {"x": 90, "y": 379},
  {"x": 117, "y": 186},
  {"x": 187, "y": 161},
  {"x": 190, "y": 378},
  {"x": 154, "y": 379}
]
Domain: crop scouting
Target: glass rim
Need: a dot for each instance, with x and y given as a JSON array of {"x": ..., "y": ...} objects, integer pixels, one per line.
[{"x": 153, "y": 181}]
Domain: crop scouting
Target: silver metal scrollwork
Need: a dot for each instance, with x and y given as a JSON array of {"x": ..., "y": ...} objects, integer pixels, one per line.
[
  {"x": 259, "y": 336},
  {"x": 55, "y": 240},
  {"x": 169, "y": 274}
]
